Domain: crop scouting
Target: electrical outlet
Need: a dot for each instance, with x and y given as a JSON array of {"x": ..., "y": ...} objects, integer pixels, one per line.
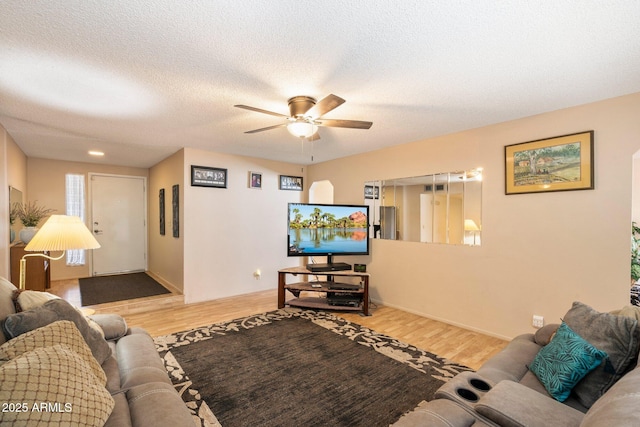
[{"x": 538, "y": 321}]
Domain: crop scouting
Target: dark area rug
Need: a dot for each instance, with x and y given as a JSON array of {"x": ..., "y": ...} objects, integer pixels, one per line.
[
  {"x": 299, "y": 367},
  {"x": 103, "y": 289}
]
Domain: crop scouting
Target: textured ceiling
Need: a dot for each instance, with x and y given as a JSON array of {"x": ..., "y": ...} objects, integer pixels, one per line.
[{"x": 141, "y": 79}]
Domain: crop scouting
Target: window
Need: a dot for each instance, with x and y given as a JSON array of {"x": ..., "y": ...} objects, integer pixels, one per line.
[{"x": 75, "y": 206}]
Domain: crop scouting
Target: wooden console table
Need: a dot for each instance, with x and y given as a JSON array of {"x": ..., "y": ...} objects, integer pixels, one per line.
[
  {"x": 323, "y": 286},
  {"x": 38, "y": 271}
]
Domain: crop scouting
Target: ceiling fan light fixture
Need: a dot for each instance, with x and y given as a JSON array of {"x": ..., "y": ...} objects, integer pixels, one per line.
[{"x": 302, "y": 129}]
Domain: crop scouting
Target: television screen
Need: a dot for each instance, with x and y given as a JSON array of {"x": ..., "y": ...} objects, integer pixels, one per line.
[{"x": 318, "y": 229}]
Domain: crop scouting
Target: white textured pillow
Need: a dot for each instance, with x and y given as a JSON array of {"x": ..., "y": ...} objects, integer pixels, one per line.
[
  {"x": 62, "y": 332},
  {"x": 33, "y": 299},
  {"x": 52, "y": 386}
]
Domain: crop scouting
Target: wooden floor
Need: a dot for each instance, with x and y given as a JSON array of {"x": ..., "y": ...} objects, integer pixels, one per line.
[{"x": 162, "y": 315}]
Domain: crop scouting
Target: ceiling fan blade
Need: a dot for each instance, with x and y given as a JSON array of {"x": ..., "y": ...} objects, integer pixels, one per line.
[
  {"x": 267, "y": 128},
  {"x": 260, "y": 110},
  {"x": 336, "y": 123},
  {"x": 314, "y": 137},
  {"x": 325, "y": 105}
]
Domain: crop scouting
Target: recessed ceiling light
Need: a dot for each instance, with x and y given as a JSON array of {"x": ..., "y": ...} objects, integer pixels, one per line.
[{"x": 96, "y": 153}]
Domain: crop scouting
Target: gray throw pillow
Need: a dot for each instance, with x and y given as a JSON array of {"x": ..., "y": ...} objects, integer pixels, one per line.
[
  {"x": 52, "y": 311},
  {"x": 618, "y": 336}
]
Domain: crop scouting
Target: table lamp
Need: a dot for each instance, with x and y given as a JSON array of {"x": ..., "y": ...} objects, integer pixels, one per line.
[
  {"x": 470, "y": 225},
  {"x": 59, "y": 233}
]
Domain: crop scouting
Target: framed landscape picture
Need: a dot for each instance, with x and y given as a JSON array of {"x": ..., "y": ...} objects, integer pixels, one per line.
[
  {"x": 560, "y": 163},
  {"x": 204, "y": 176}
]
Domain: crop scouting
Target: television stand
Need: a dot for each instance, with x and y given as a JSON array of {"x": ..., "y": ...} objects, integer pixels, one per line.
[
  {"x": 339, "y": 296},
  {"x": 333, "y": 266}
]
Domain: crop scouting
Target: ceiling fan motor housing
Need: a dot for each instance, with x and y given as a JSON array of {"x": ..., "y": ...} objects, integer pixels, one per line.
[{"x": 299, "y": 105}]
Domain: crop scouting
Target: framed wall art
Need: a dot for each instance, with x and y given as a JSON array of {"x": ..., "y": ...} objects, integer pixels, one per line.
[
  {"x": 371, "y": 192},
  {"x": 561, "y": 163},
  {"x": 175, "y": 209},
  {"x": 290, "y": 182},
  {"x": 255, "y": 180},
  {"x": 161, "y": 209},
  {"x": 204, "y": 176}
]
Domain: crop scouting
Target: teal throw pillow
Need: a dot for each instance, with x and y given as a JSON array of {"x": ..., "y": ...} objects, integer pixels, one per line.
[{"x": 562, "y": 363}]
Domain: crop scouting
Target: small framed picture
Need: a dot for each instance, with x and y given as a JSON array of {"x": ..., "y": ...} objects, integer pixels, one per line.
[
  {"x": 290, "y": 182},
  {"x": 371, "y": 192},
  {"x": 203, "y": 176},
  {"x": 255, "y": 180}
]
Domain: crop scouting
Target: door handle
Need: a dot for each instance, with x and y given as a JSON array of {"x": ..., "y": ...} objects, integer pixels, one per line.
[{"x": 97, "y": 231}]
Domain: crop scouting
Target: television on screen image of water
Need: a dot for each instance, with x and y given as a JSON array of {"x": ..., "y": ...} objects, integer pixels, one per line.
[{"x": 327, "y": 230}]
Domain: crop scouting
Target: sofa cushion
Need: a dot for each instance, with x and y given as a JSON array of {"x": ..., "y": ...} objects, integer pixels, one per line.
[
  {"x": 619, "y": 405},
  {"x": 62, "y": 332},
  {"x": 120, "y": 416},
  {"x": 618, "y": 336},
  {"x": 52, "y": 386},
  {"x": 512, "y": 362},
  {"x": 51, "y": 311},
  {"x": 564, "y": 361},
  {"x": 6, "y": 304}
]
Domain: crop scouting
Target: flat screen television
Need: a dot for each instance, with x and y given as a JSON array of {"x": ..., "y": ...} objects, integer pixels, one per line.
[{"x": 327, "y": 230}]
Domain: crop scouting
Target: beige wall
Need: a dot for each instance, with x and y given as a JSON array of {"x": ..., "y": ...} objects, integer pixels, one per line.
[
  {"x": 539, "y": 252},
  {"x": 13, "y": 164},
  {"x": 230, "y": 233},
  {"x": 46, "y": 184},
  {"x": 166, "y": 253}
]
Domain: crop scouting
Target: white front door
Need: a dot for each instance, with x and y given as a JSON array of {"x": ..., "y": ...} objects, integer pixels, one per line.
[{"x": 119, "y": 223}]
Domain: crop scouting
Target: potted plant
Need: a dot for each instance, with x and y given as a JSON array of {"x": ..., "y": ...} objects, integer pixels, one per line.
[
  {"x": 13, "y": 214},
  {"x": 30, "y": 214}
]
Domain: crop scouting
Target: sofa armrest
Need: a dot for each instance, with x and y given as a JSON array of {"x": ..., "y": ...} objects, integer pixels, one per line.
[
  {"x": 437, "y": 413},
  {"x": 511, "y": 404},
  {"x": 158, "y": 405},
  {"x": 113, "y": 325}
]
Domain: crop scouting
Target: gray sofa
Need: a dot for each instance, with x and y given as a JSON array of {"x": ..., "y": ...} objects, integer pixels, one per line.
[
  {"x": 133, "y": 390},
  {"x": 510, "y": 389}
]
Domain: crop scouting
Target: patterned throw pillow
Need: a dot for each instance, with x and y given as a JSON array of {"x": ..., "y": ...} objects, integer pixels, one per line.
[
  {"x": 62, "y": 332},
  {"x": 562, "y": 363},
  {"x": 52, "y": 386}
]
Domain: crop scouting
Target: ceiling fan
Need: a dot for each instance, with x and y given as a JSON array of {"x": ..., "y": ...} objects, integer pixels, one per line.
[{"x": 306, "y": 116}]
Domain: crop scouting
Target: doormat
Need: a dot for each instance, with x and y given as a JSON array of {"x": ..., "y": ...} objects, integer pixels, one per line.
[{"x": 119, "y": 287}]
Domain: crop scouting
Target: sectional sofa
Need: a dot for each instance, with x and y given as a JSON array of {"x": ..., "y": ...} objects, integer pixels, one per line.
[
  {"x": 583, "y": 372},
  {"x": 59, "y": 367}
]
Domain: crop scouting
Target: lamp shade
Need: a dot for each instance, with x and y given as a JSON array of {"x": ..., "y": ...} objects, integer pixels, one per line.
[
  {"x": 470, "y": 225},
  {"x": 302, "y": 128},
  {"x": 61, "y": 233}
]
